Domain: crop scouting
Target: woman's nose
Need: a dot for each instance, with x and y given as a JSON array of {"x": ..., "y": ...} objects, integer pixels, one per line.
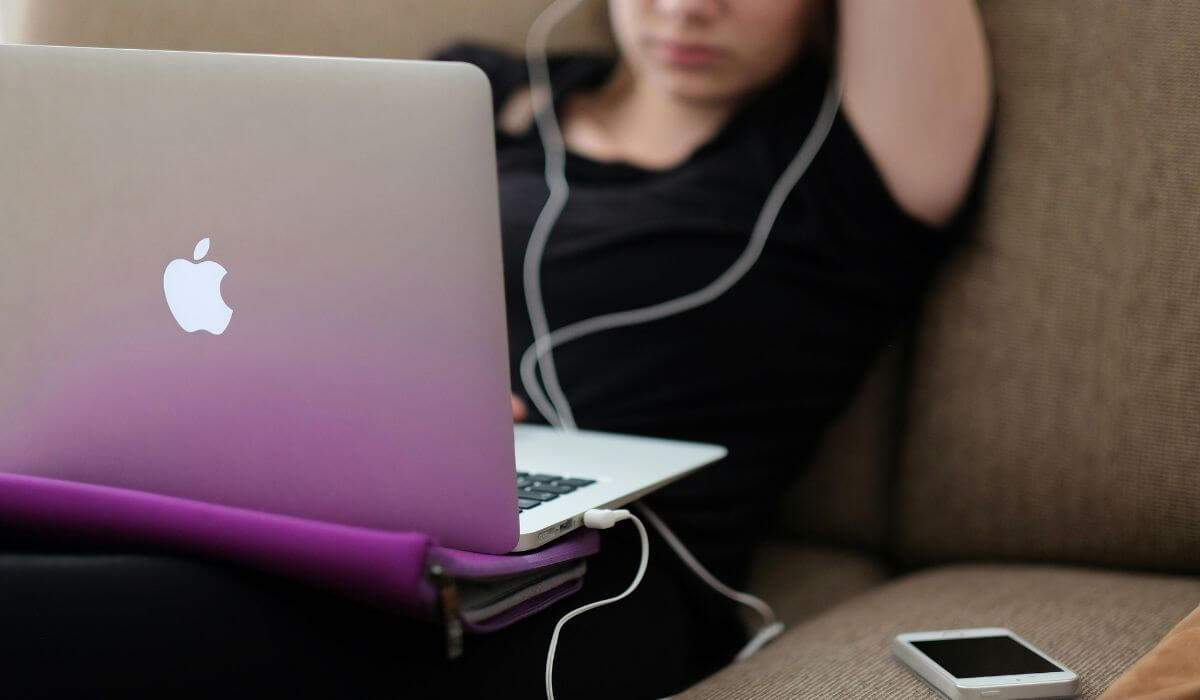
[{"x": 698, "y": 9}]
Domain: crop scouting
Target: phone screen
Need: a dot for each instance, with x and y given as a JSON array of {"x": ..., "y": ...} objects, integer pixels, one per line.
[{"x": 984, "y": 656}]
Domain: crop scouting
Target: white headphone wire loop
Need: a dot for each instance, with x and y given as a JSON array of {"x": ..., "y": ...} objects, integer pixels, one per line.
[{"x": 539, "y": 356}]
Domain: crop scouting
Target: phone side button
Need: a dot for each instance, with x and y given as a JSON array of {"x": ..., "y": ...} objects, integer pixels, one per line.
[{"x": 989, "y": 693}]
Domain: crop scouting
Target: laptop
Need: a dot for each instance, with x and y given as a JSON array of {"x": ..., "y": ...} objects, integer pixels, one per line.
[{"x": 275, "y": 282}]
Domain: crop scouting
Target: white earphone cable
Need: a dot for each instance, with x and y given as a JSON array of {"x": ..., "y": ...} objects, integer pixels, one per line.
[
  {"x": 555, "y": 407},
  {"x": 539, "y": 357}
]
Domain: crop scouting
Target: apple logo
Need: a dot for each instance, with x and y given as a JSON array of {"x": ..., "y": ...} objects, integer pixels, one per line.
[{"x": 194, "y": 293}]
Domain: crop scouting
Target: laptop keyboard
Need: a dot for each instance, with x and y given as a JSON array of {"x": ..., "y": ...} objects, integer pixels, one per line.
[{"x": 535, "y": 489}]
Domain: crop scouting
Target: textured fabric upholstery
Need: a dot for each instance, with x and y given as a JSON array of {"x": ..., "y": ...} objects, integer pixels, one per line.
[
  {"x": 374, "y": 28},
  {"x": 801, "y": 581},
  {"x": 1097, "y": 623},
  {"x": 1056, "y": 413}
]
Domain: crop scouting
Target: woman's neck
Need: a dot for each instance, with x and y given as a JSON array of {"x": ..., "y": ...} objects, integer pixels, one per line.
[{"x": 628, "y": 120}]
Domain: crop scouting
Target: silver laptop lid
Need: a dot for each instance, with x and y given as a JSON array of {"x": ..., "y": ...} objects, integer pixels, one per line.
[{"x": 268, "y": 281}]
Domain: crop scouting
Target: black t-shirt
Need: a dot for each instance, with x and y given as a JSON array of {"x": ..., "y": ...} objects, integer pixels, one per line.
[{"x": 764, "y": 368}]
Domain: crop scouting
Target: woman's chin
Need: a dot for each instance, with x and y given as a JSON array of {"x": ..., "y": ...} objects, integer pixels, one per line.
[{"x": 699, "y": 88}]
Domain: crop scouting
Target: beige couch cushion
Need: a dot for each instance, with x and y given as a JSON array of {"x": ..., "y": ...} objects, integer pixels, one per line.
[
  {"x": 1097, "y": 623},
  {"x": 1057, "y": 406}
]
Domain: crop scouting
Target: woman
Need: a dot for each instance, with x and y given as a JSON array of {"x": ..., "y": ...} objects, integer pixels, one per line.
[{"x": 672, "y": 149}]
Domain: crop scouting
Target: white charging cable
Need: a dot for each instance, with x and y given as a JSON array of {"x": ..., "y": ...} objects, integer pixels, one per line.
[{"x": 600, "y": 520}]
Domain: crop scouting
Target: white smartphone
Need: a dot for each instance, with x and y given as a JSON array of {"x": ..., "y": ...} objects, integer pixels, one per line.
[{"x": 985, "y": 662}]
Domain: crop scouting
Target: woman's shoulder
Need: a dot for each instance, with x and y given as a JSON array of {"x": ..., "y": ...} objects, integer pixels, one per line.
[
  {"x": 505, "y": 71},
  {"x": 509, "y": 74}
]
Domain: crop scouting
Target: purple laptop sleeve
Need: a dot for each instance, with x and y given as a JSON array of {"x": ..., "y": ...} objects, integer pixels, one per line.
[{"x": 387, "y": 569}]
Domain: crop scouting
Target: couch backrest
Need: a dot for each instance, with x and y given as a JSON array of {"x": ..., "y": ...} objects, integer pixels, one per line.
[
  {"x": 1056, "y": 413},
  {"x": 373, "y": 28}
]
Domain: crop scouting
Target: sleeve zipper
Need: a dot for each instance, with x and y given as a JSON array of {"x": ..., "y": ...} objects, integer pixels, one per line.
[{"x": 448, "y": 609}]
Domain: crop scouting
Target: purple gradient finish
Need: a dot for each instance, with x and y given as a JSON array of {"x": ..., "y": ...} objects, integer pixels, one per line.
[
  {"x": 363, "y": 379},
  {"x": 308, "y": 434},
  {"x": 383, "y": 568}
]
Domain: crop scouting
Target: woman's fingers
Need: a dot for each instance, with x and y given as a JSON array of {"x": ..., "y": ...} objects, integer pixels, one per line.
[{"x": 519, "y": 411}]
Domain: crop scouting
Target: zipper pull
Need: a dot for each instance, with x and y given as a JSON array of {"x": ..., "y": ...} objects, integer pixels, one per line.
[{"x": 448, "y": 605}]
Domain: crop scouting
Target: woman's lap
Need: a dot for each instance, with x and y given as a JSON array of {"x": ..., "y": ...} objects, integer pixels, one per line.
[{"x": 180, "y": 627}]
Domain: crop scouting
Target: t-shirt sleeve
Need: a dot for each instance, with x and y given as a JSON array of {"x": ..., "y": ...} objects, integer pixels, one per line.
[
  {"x": 845, "y": 164},
  {"x": 858, "y": 201},
  {"x": 504, "y": 71}
]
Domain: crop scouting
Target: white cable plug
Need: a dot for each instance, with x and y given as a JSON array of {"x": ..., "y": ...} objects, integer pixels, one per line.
[{"x": 601, "y": 520}]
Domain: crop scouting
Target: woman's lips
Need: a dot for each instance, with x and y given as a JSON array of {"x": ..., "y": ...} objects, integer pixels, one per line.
[{"x": 685, "y": 54}]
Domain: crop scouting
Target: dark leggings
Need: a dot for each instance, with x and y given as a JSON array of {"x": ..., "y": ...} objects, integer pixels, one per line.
[{"x": 114, "y": 625}]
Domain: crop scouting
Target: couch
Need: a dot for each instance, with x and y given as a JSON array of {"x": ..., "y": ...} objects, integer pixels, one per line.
[{"x": 1025, "y": 453}]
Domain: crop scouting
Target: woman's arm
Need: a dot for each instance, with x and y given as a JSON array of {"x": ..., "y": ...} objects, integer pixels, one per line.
[{"x": 918, "y": 90}]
